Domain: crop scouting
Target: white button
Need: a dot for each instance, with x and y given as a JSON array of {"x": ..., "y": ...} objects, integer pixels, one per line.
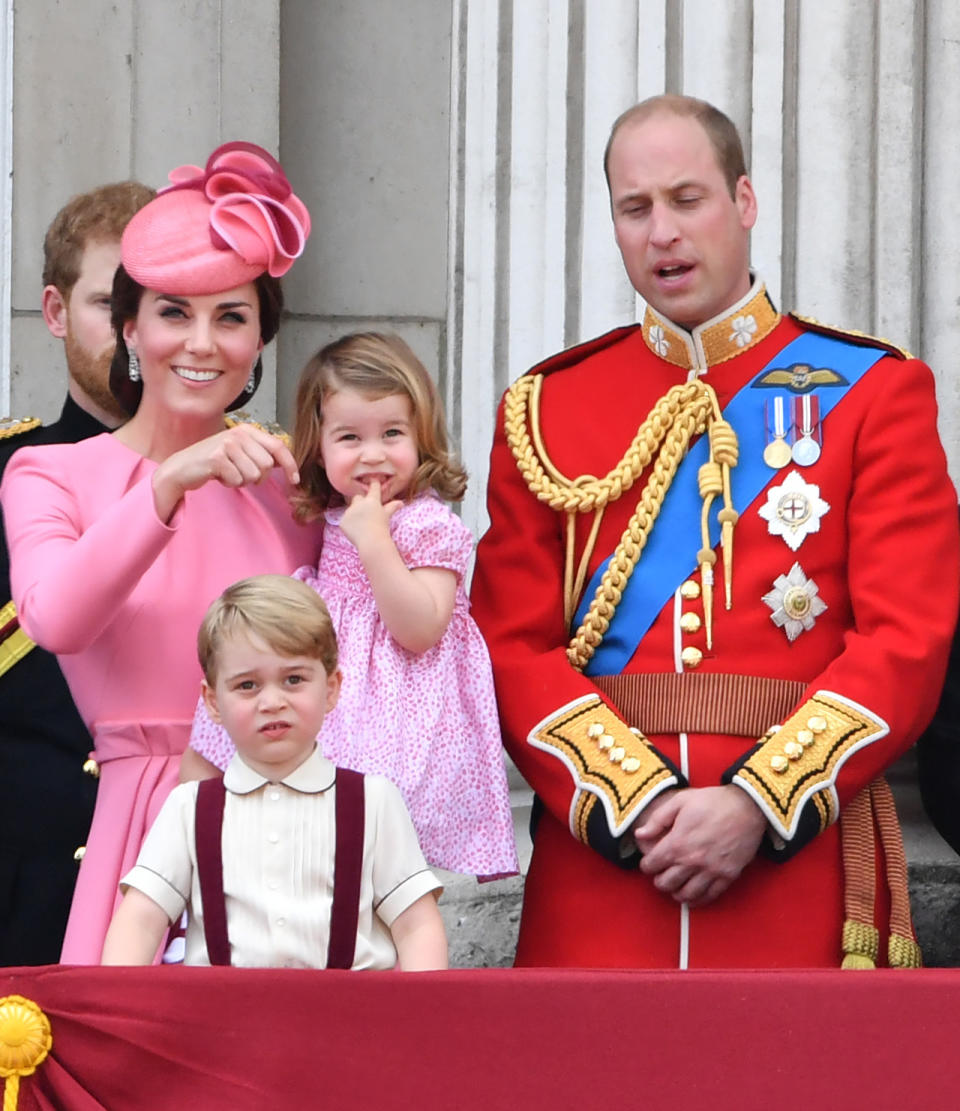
[
  {"x": 274, "y": 795},
  {"x": 273, "y": 838},
  {"x": 281, "y": 921}
]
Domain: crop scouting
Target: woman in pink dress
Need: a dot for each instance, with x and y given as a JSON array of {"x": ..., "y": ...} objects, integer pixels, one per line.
[{"x": 119, "y": 543}]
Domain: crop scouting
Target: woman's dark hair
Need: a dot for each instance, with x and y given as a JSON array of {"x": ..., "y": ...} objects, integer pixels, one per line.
[{"x": 125, "y": 304}]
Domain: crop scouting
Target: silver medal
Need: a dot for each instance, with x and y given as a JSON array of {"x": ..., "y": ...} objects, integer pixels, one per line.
[
  {"x": 806, "y": 449},
  {"x": 795, "y": 601}
]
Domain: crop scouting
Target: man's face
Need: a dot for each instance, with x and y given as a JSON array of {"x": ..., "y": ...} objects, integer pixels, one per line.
[
  {"x": 683, "y": 238},
  {"x": 88, "y": 337}
]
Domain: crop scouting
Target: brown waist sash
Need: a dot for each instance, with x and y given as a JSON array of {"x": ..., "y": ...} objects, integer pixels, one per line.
[
  {"x": 701, "y": 702},
  {"x": 348, "y": 863}
]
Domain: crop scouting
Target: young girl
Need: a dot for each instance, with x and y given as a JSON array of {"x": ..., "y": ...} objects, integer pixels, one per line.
[{"x": 417, "y": 703}]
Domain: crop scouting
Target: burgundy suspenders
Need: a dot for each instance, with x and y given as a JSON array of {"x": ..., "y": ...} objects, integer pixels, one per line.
[
  {"x": 348, "y": 862},
  {"x": 211, "y": 795}
]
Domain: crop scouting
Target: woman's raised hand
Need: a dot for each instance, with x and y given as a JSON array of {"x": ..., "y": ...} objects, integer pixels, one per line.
[{"x": 238, "y": 456}]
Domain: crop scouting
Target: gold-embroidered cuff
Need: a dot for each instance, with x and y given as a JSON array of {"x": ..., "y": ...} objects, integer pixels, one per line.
[
  {"x": 798, "y": 763},
  {"x": 606, "y": 759}
]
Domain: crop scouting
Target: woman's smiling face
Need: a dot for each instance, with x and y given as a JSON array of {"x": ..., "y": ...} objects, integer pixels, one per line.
[{"x": 196, "y": 353}]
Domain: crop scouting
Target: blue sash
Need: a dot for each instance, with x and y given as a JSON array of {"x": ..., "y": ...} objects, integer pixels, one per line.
[{"x": 670, "y": 554}]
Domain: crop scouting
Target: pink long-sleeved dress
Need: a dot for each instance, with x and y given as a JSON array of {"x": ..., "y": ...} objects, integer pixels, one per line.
[{"x": 118, "y": 595}]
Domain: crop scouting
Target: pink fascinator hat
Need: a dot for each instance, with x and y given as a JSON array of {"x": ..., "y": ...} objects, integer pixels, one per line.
[{"x": 216, "y": 228}]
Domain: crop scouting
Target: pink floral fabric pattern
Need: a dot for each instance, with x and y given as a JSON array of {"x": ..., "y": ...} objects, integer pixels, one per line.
[{"x": 428, "y": 722}]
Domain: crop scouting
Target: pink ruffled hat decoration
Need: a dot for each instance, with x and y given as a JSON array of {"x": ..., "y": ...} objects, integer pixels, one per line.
[{"x": 219, "y": 227}]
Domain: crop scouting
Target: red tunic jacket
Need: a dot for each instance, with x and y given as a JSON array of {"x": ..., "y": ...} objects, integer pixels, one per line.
[{"x": 851, "y": 693}]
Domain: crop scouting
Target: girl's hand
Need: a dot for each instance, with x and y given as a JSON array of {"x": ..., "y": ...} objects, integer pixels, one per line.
[
  {"x": 366, "y": 519},
  {"x": 238, "y": 456}
]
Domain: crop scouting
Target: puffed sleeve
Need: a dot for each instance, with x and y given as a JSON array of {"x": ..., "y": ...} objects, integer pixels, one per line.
[{"x": 427, "y": 534}]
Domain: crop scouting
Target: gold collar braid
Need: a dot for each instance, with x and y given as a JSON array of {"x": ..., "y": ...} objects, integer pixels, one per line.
[{"x": 663, "y": 439}]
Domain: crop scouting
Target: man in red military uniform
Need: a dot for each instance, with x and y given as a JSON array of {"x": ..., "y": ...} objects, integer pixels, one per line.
[{"x": 718, "y": 590}]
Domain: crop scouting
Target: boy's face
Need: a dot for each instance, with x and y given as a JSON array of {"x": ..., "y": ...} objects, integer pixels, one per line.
[{"x": 271, "y": 705}]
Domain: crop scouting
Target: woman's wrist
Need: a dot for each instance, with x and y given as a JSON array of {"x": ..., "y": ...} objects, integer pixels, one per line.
[{"x": 167, "y": 494}]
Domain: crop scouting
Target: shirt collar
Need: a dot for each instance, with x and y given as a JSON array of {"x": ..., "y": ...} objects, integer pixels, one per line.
[
  {"x": 315, "y": 774},
  {"x": 731, "y": 333}
]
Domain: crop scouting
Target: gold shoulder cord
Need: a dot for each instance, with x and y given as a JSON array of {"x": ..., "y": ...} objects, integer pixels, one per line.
[{"x": 663, "y": 439}]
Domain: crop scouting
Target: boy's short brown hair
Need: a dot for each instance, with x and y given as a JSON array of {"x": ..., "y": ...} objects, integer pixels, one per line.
[{"x": 285, "y": 613}]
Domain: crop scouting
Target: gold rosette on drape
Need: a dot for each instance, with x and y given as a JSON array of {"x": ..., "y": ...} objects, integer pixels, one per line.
[{"x": 25, "y": 1041}]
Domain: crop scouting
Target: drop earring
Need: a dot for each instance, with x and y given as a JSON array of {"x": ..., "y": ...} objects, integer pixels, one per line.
[
  {"x": 251, "y": 385},
  {"x": 133, "y": 365}
]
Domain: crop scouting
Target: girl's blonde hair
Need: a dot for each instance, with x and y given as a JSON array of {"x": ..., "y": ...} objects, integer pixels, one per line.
[{"x": 378, "y": 366}]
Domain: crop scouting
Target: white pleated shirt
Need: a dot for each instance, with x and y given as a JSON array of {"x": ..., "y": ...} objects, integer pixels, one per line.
[{"x": 278, "y": 855}]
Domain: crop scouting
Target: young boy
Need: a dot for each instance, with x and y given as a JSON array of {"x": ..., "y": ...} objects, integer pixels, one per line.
[{"x": 269, "y": 658}]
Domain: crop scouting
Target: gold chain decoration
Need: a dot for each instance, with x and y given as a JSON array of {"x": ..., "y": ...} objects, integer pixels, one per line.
[
  {"x": 25, "y": 1041},
  {"x": 663, "y": 439}
]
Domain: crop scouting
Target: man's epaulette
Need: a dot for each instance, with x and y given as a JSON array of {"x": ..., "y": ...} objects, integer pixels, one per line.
[
  {"x": 810, "y": 325},
  {"x": 240, "y": 416},
  {"x": 573, "y": 355},
  {"x": 16, "y": 426}
]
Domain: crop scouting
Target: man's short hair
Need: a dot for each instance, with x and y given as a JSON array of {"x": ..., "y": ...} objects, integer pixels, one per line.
[
  {"x": 94, "y": 217},
  {"x": 721, "y": 131},
  {"x": 285, "y": 613}
]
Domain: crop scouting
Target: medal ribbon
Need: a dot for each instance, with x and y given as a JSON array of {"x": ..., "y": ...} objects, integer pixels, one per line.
[{"x": 673, "y": 544}]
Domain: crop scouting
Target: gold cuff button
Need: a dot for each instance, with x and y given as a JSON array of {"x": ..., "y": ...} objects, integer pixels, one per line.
[
  {"x": 691, "y": 656},
  {"x": 631, "y": 765},
  {"x": 690, "y": 590},
  {"x": 91, "y": 767},
  {"x": 595, "y": 730},
  {"x": 792, "y": 750},
  {"x": 817, "y": 724},
  {"x": 606, "y": 741},
  {"x": 617, "y": 754},
  {"x": 806, "y": 737},
  {"x": 690, "y": 623},
  {"x": 78, "y": 854},
  {"x": 779, "y": 764}
]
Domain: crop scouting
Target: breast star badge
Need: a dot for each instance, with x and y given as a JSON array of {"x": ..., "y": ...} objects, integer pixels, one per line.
[
  {"x": 795, "y": 601},
  {"x": 793, "y": 510}
]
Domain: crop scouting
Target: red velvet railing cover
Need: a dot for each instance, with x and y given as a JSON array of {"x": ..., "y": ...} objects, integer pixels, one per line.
[{"x": 223, "y": 1038}]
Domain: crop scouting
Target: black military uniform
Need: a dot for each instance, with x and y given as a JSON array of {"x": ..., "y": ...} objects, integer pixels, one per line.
[
  {"x": 938, "y": 756},
  {"x": 47, "y": 784}
]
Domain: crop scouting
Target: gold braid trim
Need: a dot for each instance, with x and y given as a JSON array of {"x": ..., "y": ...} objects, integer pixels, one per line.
[
  {"x": 902, "y": 948},
  {"x": 861, "y": 938},
  {"x": 663, "y": 440},
  {"x": 609, "y": 763},
  {"x": 861, "y": 944},
  {"x": 803, "y": 757},
  {"x": 874, "y": 807},
  {"x": 583, "y": 808}
]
